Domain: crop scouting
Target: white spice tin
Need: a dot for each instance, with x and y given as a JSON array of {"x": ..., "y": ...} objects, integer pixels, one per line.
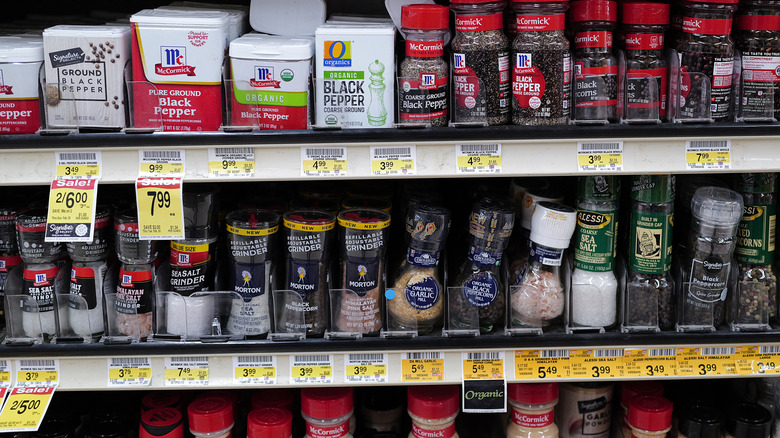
[{"x": 20, "y": 73}]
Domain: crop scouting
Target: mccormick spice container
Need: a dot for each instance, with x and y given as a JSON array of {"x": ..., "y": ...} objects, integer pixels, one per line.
[
  {"x": 532, "y": 410},
  {"x": 85, "y": 76},
  {"x": 595, "y": 67},
  {"x": 628, "y": 391},
  {"x": 327, "y": 412},
  {"x": 21, "y": 59},
  {"x": 757, "y": 36},
  {"x": 481, "y": 63},
  {"x": 706, "y": 53},
  {"x": 269, "y": 423},
  {"x": 649, "y": 416},
  {"x": 363, "y": 235},
  {"x": 355, "y": 83},
  {"x": 270, "y": 81},
  {"x": 541, "y": 66},
  {"x": 433, "y": 410},
  {"x": 584, "y": 410},
  {"x": 423, "y": 96},
  {"x": 210, "y": 416},
  {"x": 646, "y": 68},
  {"x": 177, "y": 69}
]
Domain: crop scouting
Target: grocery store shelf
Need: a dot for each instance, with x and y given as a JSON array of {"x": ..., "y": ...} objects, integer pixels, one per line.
[{"x": 29, "y": 159}]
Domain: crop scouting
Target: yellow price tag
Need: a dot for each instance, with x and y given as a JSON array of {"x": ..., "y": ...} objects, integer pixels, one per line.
[
  {"x": 479, "y": 161},
  {"x": 598, "y": 160},
  {"x": 483, "y": 366},
  {"x": 71, "y": 210},
  {"x": 650, "y": 362},
  {"x": 541, "y": 364},
  {"x": 181, "y": 375},
  {"x": 755, "y": 359},
  {"x": 720, "y": 158},
  {"x": 162, "y": 169},
  {"x": 129, "y": 373},
  {"x": 323, "y": 166},
  {"x": 706, "y": 361},
  {"x": 5, "y": 377},
  {"x": 596, "y": 363},
  {"x": 78, "y": 171},
  {"x": 160, "y": 208},
  {"x": 708, "y": 154},
  {"x": 25, "y": 408},
  {"x": 313, "y": 372},
  {"x": 367, "y": 370},
  {"x": 39, "y": 377},
  {"x": 383, "y": 167},
  {"x": 255, "y": 373},
  {"x": 422, "y": 370},
  {"x": 228, "y": 168}
]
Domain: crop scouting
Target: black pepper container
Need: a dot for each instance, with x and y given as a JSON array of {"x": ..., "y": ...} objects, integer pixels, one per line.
[
  {"x": 706, "y": 56},
  {"x": 480, "y": 63},
  {"x": 699, "y": 421},
  {"x": 646, "y": 68},
  {"x": 757, "y": 36},
  {"x": 595, "y": 66},
  {"x": 748, "y": 420}
]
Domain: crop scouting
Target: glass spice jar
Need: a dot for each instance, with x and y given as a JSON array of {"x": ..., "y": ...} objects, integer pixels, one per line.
[
  {"x": 754, "y": 303},
  {"x": 757, "y": 37},
  {"x": 649, "y": 416},
  {"x": 595, "y": 66},
  {"x": 480, "y": 62},
  {"x": 706, "y": 54},
  {"x": 646, "y": 68},
  {"x": 433, "y": 410},
  {"x": 423, "y": 95},
  {"x": 533, "y": 407},
  {"x": 541, "y": 74}
]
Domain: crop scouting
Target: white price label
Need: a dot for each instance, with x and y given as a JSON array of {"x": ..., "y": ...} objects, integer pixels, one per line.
[
  {"x": 707, "y": 154},
  {"x": 365, "y": 368},
  {"x": 254, "y": 370},
  {"x": 604, "y": 156},
  {"x": 37, "y": 372},
  {"x": 311, "y": 368},
  {"x": 187, "y": 371},
  {"x": 478, "y": 158},
  {"x": 231, "y": 162},
  {"x": 393, "y": 160},
  {"x": 78, "y": 165},
  {"x": 129, "y": 371},
  {"x": 160, "y": 163},
  {"x": 323, "y": 161}
]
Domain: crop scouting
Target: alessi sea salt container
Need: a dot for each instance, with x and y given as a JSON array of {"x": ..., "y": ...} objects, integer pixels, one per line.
[
  {"x": 20, "y": 68},
  {"x": 270, "y": 81}
]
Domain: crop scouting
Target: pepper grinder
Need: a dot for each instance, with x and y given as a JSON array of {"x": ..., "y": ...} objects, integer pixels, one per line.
[{"x": 377, "y": 113}]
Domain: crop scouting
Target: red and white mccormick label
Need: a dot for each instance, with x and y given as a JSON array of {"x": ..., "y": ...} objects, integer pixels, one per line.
[
  {"x": 537, "y": 23},
  {"x": 532, "y": 420},
  {"x": 6, "y": 263},
  {"x": 477, "y": 23},
  {"x": 706, "y": 26},
  {"x": 315, "y": 431},
  {"x": 188, "y": 256},
  {"x": 466, "y": 83},
  {"x": 528, "y": 84},
  {"x": 644, "y": 41},
  {"x": 419, "y": 432},
  {"x": 40, "y": 278},
  {"x": 639, "y": 96},
  {"x": 424, "y": 49},
  {"x": 593, "y": 39},
  {"x": 722, "y": 72},
  {"x": 758, "y": 22}
]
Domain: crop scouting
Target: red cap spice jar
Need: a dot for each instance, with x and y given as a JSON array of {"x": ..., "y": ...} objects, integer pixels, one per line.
[
  {"x": 433, "y": 410},
  {"x": 757, "y": 36},
  {"x": 211, "y": 416},
  {"x": 269, "y": 423},
  {"x": 327, "y": 412},
  {"x": 595, "y": 67},
  {"x": 269, "y": 398},
  {"x": 631, "y": 390},
  {"x": 532, "y": 410},
  {"x": 161, "y": 423},
  {"x": 424, "y": 74},
  {"x": 480, "y": 53},
  {"x": 644, "y": 24},
  {"x": 541, "y": 64},
  {"x": 649, "y": 416}
]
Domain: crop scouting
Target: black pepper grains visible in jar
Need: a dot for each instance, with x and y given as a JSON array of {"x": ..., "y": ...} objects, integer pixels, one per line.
[
  {"x": 757, "y": 36},
  {"x": 424, "y": 74},
  {"x": 541, "y": 66},
  {"x": 480, "y": 63},
  {"x": 646, "y": 67},
  {"x": 706, "y": 55},
  {"x": 595, "y": 66}
]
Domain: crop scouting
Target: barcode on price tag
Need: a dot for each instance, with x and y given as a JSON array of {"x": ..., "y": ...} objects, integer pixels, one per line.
[
  {"x": 706, "y": 361},
  {"x": 393, "y": 160},
  {"x": 597, "y": 363},
  {"x": 231, "y": 162},
  {"x": 254, "y": 370},
  {"x": 187, "y": 371},
  {"x": 707, "y": 154},
  {"x": 600, "y": 156},
  {"x": 78, "y": 165},
  {"x": 323, "y": 161},
  {"x": 650, "y": 362},
  {"x": 37, "y": 372},
  {"x": 129, "y": 371},
  {"x": 161, "y": 163},
  {"x": 483, "y": 365},
  {"x": 311, "y": 368},
  {"x": 365, "y": 368},
  {"x": 424, "y": 366},
  {"x": 478, "y": 158}
]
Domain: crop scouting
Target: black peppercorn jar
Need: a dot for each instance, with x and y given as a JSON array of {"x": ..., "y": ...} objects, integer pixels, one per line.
[
  {"x": 541, "y": 73},
  {"x": 595, "y": 66},
  {"x": 480, "y": 62},
  {"x": 646, "y": 68},
  {"x": 706, "y": 54},
  {"x": 423, "y": 76},
  {"x": 757, "y": 37}
]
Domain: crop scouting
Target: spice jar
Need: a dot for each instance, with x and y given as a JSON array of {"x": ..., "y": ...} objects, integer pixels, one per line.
[
  {"x": 210, "y": 416},
  {"x": 699, "y": 421},
  {"x": 480, "y": 62},
  {"x": 269, "y": 423},
  {"x": 595, "y": 67},
  {"x": 433, "y": 410},
  {"x": 363, "y": 235},
  {"x": 753, "y": 305},
  {"x": 423, "y": 95},
  {"x": 134, "y": 302},
  {"x": 161, "y": 423},
  {"x": 649, "y": 302},
  {"x": 532, "y": 410},
  {"x": 706, "y": 54},
  {"x": 647, "y": 72},
  {"x": 327, "y": 412},
  {"x": 308, "y": 236},
  {"x": 539, "y": 299},
  {"x": 630, "y": 390},
  {"x": 748, "y": 420},
  {"x": 541, "y": 74},
  {"x": 706, "y": 263},
  {"x": 419, "y": 301},
  {"x": 382, "y": 409},
  {"x": 584, "y": 410},
  {"x": 649, "y": 416},
  {"x": 30, "y": 235},
  {"x": 594, "y": 287},
  {"x": 757, "y": 37},
  {"x": 481, "y": 276},
  {"x": 519, "y": 254},
  {"x": 252, "y": 253}
]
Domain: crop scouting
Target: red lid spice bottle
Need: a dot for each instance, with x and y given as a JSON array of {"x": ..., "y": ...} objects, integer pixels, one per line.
[
  {"x": 211, "y": 416},
  {"x": 327, "y": 412},
  {"x": 269, "y": 423},
  {"x": 532, "y": 410},
  {"x": 433, "y": 410},
  {"x": 649, "y": 416}
]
